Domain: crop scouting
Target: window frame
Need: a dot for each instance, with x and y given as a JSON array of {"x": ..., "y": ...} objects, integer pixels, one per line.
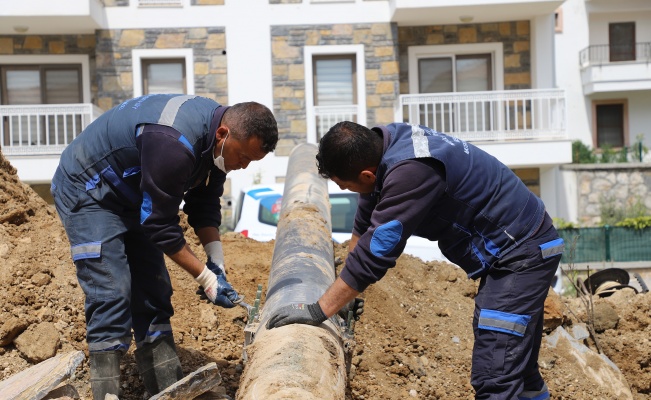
[
  {"x": 55, "y": 60},
  {"x": 496, "y": 49},
  {"x": 625, "y": 128},
  {"x": 318, "y": 57},
  {"x": 138, "y": 55},
  {"x": 145, "y": 62},
  {"x": 309, "y": 52}
]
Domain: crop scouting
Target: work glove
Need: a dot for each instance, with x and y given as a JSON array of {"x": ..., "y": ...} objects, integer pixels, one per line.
[
  {"x": 215, "y": 288},
  {"x": 356, "y": 306},
  {"x": 215, "y": 254},
  {"x": 310, "y": 314}
]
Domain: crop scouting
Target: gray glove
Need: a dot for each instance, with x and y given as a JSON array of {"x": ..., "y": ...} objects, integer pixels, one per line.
[
  {"x": 356, "y": 306},
  {"x": 310, "y": 314}
]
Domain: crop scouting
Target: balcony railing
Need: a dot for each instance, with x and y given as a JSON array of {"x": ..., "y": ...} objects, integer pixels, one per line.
[
  {"x": 326, "y": 116},
  {"x": 606, "y": 54},
  {"x": 44, "y": 128},
  {"x": 489, "y": 116},
  {"x": 160, "y": 3}
]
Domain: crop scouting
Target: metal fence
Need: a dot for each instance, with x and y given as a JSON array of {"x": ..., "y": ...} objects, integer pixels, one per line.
[
  {"x": 612, "y": 244},
  {"x": 606, "y": 54}
]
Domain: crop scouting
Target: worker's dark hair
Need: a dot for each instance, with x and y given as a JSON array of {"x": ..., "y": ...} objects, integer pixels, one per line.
[
  {"x": 347, "y": 149},
  {"x": 252, "y": 119}
]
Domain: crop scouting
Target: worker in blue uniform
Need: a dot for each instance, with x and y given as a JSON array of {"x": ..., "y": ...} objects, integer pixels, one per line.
[
  {"x": 413, "y": 180},
  {"x": 118, "y": 189}
]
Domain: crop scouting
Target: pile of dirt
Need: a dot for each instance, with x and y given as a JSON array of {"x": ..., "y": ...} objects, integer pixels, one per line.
[{"x": 413, "y": 341}]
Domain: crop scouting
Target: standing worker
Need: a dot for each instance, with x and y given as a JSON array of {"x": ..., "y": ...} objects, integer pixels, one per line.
[
  {"x": 414, "y": 180},
  {"x": 118, "y": 189}
]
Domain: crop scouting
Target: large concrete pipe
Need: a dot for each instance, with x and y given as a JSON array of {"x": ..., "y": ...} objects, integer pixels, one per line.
[{"x": 298, "y": 361}]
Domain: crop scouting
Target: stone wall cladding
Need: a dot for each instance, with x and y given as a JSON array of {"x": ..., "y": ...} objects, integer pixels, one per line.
[
  {"x": 381, "y": 57},
  {"x": 623, "y": 183},
  {"x": 514, "y": 35},
  {"x": 115, "y": 66}
]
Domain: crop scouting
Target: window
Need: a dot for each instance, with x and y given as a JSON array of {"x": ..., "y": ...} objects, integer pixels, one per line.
[
  {"x": 610, "y": 123},
  {"x": 163, "y": 76},
  {"x": 457, "y": 73},
  {"x": 456, "y": 68},
  {"x": 622, "y": 41},
  {"x": 41, "y": 84},
  {"x": 162, "y": 71},
  {"x": 335, "y": 87},
  {"x": 334, "y": 90}
]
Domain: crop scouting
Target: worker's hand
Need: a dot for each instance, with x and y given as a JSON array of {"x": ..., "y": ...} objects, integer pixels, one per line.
[
  {"x": 215, "y": 288},
  {"x": 310, "y": 314},
  {"x": 356, "y": 306}
]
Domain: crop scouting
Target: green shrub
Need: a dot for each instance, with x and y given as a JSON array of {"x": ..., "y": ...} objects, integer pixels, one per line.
[
  {"x": 635, "y": 223},
  {"x": 582, "y": 154},
  {"x": 560, "y": 223}
]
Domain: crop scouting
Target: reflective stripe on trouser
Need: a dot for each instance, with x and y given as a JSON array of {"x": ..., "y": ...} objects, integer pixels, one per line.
[
  {"x": 508, "y": 319},
  {"x": 122, "y": 274}
]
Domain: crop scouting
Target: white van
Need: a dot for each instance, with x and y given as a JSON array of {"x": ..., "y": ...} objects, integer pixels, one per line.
[{"x": 257, "y": 212}]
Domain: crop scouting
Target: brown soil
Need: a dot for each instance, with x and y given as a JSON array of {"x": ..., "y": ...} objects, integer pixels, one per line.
[{"x": 413, "y": 341}]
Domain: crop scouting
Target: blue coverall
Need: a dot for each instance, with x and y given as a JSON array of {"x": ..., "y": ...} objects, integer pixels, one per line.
[
  {"x": 487, "y": 222},
  {"x": 117, "y": 189}
]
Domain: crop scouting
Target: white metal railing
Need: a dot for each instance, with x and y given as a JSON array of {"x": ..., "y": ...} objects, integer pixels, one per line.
[
  {"x": 489, "y": 116},
  {"x": 160, "y": 3},
  {"x": 43, "y": 128},
  {"x": 326, "y": 116}
]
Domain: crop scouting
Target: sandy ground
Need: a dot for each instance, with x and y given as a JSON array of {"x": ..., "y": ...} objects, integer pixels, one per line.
[{"x": 413, "y": 341}]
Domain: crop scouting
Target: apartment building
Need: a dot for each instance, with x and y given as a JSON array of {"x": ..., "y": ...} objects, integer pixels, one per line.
[
  {"x": 603, "y": 62},
  {"x": 481, "y": 70}
]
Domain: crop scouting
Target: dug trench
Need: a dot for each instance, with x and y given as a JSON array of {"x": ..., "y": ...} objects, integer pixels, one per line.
[{"x": 414, "y": 339}]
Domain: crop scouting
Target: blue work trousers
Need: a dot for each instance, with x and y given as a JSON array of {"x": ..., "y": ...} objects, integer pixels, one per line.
[
  {"x": 121, "y": 272},
  {"x": 508, "y": 318}
]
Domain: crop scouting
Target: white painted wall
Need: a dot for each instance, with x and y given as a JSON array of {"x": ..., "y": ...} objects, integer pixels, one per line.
[{"x": 568, "y": 44}]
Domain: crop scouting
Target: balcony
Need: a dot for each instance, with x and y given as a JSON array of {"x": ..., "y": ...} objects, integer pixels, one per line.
[
  {"x": 520, "y": 127},
  {"x": 606, "y": 68},
  {"x": 39, "y": 130},
  {"x": 435, "y": 12},
  {"x": 41, "y": 17},
  {"x": 327, "y": 116}
]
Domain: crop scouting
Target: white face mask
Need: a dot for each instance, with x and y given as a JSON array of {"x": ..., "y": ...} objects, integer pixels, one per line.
[{"x": 219, "y": 161}]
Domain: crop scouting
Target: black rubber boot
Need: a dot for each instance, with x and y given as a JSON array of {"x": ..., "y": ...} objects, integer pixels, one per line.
[
  {"x": 159, "y": 365},
  {"x": 105, "y": 373}
]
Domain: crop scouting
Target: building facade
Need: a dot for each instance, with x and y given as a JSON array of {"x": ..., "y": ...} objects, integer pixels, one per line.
[{"x": 480, "y": 70}]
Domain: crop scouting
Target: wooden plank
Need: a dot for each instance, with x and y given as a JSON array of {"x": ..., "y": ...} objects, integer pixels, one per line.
[
  {"x": 193, "y": 385},
  {"x": 36, "y": 382}
]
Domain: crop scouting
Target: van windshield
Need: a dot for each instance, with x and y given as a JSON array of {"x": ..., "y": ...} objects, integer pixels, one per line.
[{"x": 343, "y": 208}]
